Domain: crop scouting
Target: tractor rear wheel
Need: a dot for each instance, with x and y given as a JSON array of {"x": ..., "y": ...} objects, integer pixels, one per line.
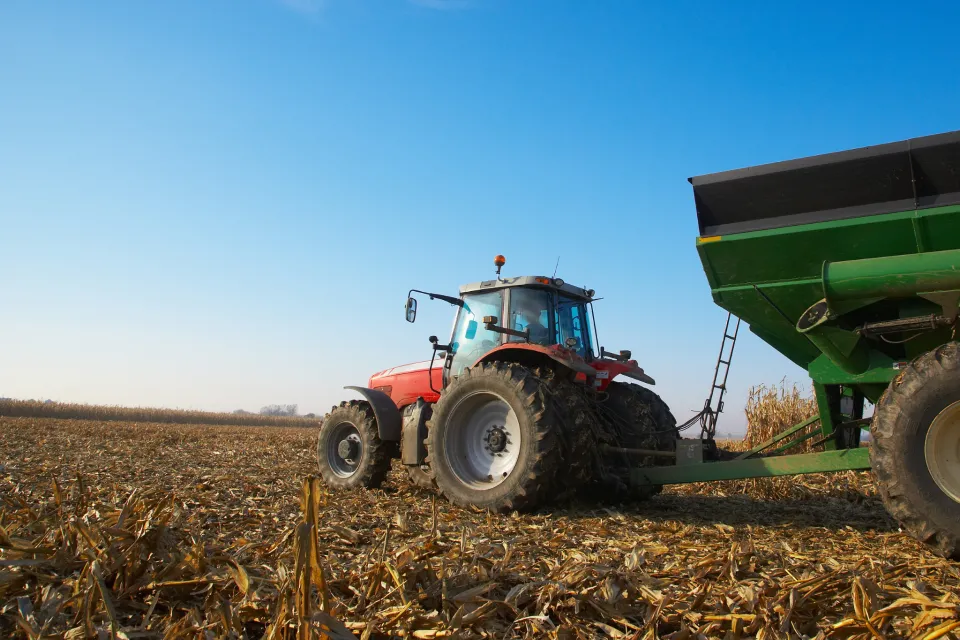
[
  {"x": 916, "y": 448},
  {"x": 491, "y": 440},
  {"x": 643, "y": 421},
  {"x": 350, "y": 453}
]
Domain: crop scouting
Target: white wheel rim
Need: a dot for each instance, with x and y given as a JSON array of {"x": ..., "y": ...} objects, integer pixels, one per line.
[
  {"x": 482, "y": 440},
  {"x": 942, "y": 450},
  {"x": 344, "y": 466}
]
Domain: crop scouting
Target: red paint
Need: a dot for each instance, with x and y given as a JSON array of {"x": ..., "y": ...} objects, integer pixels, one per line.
[
  {"x": 613, "y": 368},
  {"x": 406, "y": 383},
  {"x": 409, "y": 382},
  {"x": 555, "y": 352}
]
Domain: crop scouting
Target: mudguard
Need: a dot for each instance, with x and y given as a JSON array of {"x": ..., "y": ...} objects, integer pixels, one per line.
[
  {"x": 413, "y": 451},
  {"x": 554, "y": 352},
  {"x": 389, "y": 420}
]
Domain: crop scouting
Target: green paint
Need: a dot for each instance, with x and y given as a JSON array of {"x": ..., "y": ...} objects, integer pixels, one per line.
[
  {"x": 843, "y": 460},
  {"x": 869, "y": 269},
  {"x": 892, "y": 276},
  {"x": 795, "y": 442},
  {"x": 828, "y": 404},
  {"x": 777, "y": 438}
]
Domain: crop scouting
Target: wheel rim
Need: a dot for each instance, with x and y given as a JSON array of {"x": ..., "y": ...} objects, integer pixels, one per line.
[
  {"x": 942, "y": 450},
  {"x": 482, "y": 440},
  {"x": 344, "y": 450}
]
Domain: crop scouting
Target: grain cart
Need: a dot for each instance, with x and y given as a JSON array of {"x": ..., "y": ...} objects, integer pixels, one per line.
[{"x": 849, "y": 265}]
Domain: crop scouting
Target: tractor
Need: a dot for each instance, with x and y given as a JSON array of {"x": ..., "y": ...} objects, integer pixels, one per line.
[{"x": 519, "y": 407}]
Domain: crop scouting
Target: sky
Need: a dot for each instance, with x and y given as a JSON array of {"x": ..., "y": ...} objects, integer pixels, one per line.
[{"x": 222, "y": 204}]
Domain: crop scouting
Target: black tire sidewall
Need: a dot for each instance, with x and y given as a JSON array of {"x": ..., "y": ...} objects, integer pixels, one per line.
[
  {"x": 909, "y": 437},
  {"x": 449, "y": 483},
  {"x": 368, "y": 445}
]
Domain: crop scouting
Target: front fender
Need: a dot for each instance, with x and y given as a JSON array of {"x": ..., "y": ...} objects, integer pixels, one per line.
[{"x": 389, "y": 420}]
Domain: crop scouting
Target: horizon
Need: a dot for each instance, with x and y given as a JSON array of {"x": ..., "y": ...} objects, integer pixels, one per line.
[{"x": 219, "y": 206}]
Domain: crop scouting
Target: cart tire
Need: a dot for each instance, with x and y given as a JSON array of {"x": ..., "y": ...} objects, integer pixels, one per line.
[{"x": 916, "y": 443}]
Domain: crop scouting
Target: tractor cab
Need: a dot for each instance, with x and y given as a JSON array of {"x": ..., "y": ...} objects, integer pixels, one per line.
[
  {"x": 531, "y": 320},
  {"x": 525, "y": 310}
]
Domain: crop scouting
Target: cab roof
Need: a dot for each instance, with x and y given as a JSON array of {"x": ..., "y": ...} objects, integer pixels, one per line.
[{"x": 541, "y": 282}]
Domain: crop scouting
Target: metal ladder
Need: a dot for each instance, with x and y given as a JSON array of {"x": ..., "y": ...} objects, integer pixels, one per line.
[{"x": 708, "y": 417}]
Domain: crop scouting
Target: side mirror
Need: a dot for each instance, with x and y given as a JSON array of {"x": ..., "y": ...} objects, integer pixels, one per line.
[
  {"x": 471, "y": 331},
  {"x": 411, "y": 309}
]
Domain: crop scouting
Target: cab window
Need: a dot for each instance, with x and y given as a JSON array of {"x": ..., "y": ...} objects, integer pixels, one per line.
[
  {"x": 531, "y": 310},
  {"x": 572, "y": 323},
  {"x": 471, "y": 339}
]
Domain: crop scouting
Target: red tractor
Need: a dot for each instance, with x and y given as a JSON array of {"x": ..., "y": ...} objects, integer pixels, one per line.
[{"x": 517, "y": 408}]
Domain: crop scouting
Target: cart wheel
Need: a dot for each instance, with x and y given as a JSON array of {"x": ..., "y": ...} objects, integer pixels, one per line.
[{"x": 916, "y": 449}]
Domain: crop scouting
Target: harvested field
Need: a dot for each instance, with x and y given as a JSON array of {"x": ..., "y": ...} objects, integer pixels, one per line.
[
  {"x": 158, "y": 530},
  {"x": 70, "y": 411}
]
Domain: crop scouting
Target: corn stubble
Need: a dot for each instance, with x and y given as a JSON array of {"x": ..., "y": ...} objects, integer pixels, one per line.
[{"x": 170, "y": 531}]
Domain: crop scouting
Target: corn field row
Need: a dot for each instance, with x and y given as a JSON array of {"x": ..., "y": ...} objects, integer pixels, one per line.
[{"x": 70, "y": 411}]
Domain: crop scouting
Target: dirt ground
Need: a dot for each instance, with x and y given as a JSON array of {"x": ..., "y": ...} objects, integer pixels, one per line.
[{"x": 150, "y": 530}]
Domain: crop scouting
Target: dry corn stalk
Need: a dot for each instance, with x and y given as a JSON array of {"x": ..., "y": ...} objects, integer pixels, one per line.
[{"x": 771, "y": 409}]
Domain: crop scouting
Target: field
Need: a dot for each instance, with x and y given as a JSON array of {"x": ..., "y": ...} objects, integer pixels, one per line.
[
  {"x": 70, "y": 411},
  {"x": 160, "y": 530}
]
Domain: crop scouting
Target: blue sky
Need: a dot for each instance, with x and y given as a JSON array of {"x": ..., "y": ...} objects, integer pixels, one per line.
[{"x": 222, "y": 204}]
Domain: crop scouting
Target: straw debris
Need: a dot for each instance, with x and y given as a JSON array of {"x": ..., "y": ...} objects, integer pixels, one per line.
[{"x": 122, "y": 530}]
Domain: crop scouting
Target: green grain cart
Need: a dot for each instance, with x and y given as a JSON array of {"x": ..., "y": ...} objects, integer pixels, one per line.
[{"x": 849, "y": 265}]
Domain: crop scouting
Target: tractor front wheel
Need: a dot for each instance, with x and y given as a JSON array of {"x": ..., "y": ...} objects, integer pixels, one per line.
[
  {"x": 350, "y": 453},
  {"x": 916, "y": 448},
  {"x": 491, "y": 441}
]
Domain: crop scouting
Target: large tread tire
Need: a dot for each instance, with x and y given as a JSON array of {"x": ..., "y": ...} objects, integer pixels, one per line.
[
  {"x": 651, "y": 424},
  {"x": 421, "y": 476},
  {"x": 581, "y": 436},
  {"x": 899, "y": 429},
  {"x": 644, "y": 421},
  {"x": 375, "y": 457},
  {"x": 530, "y": 481}
]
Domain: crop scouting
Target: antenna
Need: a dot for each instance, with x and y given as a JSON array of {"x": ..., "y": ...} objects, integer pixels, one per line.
[{"x": 556, "y": 267}]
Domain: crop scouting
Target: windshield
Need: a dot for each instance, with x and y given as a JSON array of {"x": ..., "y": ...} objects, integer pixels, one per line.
[
  {"x": 530, "y": 311},
  {"x": 550, "y": 318},
  {"x": 571, "y": 320}
]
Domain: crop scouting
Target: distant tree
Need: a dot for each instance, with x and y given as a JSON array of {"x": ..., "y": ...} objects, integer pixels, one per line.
[
  {"x": 279, "y": 410},
  {"x": 310, "y": 415},
  {"x": 241, "y": 412}
]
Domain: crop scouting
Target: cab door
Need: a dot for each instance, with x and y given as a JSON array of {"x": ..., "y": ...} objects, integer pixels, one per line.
[{"x": 471, "y": 339}]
